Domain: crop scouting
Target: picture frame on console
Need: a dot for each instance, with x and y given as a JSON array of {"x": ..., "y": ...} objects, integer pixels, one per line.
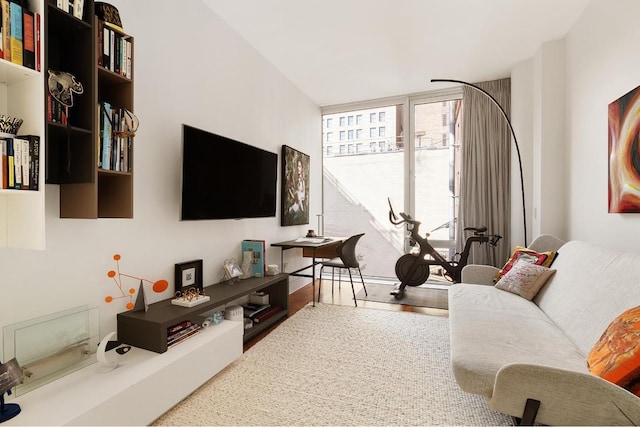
[
  {"x": 295, "y": 187},
  {"x": 188, "y": 275}
]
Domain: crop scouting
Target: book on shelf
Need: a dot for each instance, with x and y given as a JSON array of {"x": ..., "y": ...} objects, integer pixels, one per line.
[
  {"x": 17, "y": 163},
  {"x": 257, "y": 249},
  {"x": 178, "y": 327},
  {"x": 31, "y": 163},
  {"x": 6, "y": 29},
  {"x": 112, "y": 54},
  {"x": 11, "y": 174},
  {"x": 106, "y": 135},
  {"x": 106, "y": 45},
  {"x": 38, "y": 42},
  {"x": 78, "y": 9},
  {"x": 100, "y": 48},
  {"x": 16, "y": 33},
  {"x": 29, "y": 39},
  {"x": 270, "y": 312},
  {"x": 251, "y": 310},
  {"x": 24, "y": 162}
]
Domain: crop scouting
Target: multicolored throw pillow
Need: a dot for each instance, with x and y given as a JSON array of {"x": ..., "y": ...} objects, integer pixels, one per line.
[
  {"x": 544, "y": 259},
  {"x": 616, "y": 355},
  {"x": 525, "y": 279}
]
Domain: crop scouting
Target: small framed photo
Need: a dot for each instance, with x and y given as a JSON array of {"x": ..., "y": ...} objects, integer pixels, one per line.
[{"x": 189, "y": 275}]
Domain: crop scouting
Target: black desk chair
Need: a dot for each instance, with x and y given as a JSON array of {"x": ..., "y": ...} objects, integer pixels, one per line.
[{"x": 347, "y": 259}]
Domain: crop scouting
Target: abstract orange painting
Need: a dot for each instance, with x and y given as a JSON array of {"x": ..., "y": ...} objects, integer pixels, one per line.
[{"x": 624, "y": 153}]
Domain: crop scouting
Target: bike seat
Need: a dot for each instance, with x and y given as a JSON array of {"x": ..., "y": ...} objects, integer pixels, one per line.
[{"x": 476, "y": 229}]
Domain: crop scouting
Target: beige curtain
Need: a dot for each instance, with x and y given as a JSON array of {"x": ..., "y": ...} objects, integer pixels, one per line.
[{"x": 486, "y": 152}]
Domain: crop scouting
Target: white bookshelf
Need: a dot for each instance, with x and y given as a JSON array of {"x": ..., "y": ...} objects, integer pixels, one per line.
[{"x": 22, "y": 212}]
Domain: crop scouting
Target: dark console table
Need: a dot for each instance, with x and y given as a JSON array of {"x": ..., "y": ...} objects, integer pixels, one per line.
[{"x": 148, "y": 329}]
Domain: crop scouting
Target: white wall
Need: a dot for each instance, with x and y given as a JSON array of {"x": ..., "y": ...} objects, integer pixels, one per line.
[
  {"x": 522, "y": 122},
  {"x": 193, "y": 69},
  {"x": 538, "y": 110},
  {"x": 602, "y": 64},
  {"x": 559, "y": 103}
]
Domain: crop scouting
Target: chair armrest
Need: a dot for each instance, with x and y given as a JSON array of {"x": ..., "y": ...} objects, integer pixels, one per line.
[
  {"x": 566, "y": 397},
  {"x": 479, "y": 274}
]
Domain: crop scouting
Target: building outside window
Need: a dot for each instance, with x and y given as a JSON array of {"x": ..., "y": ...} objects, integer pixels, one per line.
[{"x": 376, "y": 155}]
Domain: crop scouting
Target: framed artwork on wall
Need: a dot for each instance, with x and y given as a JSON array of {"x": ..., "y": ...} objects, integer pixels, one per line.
[
  {"x": 188, "y": 276},
  {"x": 624, "y": 158},
  {"x": 295, "y": 187}
]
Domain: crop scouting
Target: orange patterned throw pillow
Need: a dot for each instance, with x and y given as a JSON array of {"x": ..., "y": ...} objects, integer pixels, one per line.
[
  {"x": 616, "y": 355},
  {"x": 521, "y": 253}
]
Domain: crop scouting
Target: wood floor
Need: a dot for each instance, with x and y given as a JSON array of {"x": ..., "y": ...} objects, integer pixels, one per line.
[{"x": 341, "y": 295}]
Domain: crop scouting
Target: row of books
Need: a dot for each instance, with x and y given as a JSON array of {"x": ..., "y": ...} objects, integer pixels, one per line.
[
  {"x": 116, "y": 50},
  {"x": 114, "y": 146},
  {"x": 20, "y": 164},
  {"x": 72, "y": 7},
  {"x": 180, "y": 332},
  {"x": 259, "y": 312},
  {"x": 20, "y": 34}
]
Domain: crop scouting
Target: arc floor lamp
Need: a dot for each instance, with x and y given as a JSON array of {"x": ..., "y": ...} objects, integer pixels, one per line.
[{"x": 515, "y": 141}]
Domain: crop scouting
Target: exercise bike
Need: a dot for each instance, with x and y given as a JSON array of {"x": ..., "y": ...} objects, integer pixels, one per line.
[{"x": 413, "y": 269}]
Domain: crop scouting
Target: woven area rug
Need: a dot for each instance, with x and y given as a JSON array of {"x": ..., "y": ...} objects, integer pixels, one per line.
[
  {"x": 340, "y": 365},
  {"x": 415, "y": 296}
]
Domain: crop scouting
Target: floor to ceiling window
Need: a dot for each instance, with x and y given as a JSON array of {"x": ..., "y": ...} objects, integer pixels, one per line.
[{"x": 378, "y": 153}]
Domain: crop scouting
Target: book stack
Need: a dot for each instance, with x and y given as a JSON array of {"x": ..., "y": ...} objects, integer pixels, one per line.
[
  {"x": 180, "y": 332},
  {"x": 20, "y": 162},
  {"x": 258, "y": 313}
]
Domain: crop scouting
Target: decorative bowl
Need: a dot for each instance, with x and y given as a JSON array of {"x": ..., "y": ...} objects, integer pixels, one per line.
[{"x": 10, "y": 124}]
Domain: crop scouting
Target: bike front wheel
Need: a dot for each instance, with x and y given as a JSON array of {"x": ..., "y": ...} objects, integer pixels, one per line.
[{"x": 411, "y": 270}]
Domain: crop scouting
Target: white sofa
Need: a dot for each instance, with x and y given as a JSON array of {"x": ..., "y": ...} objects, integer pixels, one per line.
[{"x": 529, "y": 358}]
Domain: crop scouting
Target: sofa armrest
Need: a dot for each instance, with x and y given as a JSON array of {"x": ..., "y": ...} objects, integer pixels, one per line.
[
  {"x": 566, "y": 397},
  {"x": 479, "y": 274}
]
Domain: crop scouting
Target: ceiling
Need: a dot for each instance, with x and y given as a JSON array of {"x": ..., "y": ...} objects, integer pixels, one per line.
[{"x": 340, "y": 51}]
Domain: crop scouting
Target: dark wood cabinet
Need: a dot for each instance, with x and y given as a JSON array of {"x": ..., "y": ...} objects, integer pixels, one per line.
[
  {"x": 148, "y": 329},
  {"x": 87, "y": 190}
]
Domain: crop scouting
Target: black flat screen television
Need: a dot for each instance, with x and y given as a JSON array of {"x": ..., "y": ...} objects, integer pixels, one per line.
[{"x": 225, "y": 179}]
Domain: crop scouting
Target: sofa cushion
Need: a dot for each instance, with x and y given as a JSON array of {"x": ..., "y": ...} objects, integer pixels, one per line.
[
  {"x": 525, "y": 279},
  {"x": 521, "y": 253},
  {"x": 616, "y": 355},
  {"x": 490, "y": 328},
  {"x": 592, "y": 285}
]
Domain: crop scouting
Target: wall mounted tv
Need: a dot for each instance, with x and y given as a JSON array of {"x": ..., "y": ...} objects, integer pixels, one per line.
[{"x": 225, "y": 179}]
